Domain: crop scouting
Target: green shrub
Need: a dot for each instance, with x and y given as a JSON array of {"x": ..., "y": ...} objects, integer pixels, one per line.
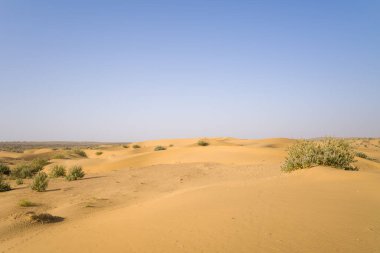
[
  {"x": 79, "y": 152},
  {"x": 26, "y": 203},
  {"x": 4, "y": 169},
  {"x": 202, "y": 143},
  {"x": 19, "y": 181},
  {"x": 40, "y": 182},
  {"x": 75, "y": 173},
  {"x": 58, "y": 171},
  {"x": 159, "y": 148},
  {"x": 28, "y": 169},
  {"x": 331, "y": 152},
  {"x": 136, "y": 146},
  {"x": 4, "y": 186},
  {"x": 99, "y": 153}
]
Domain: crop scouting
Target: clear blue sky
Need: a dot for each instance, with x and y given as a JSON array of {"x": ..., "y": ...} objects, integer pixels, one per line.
[{"x": 136, "y": 70}]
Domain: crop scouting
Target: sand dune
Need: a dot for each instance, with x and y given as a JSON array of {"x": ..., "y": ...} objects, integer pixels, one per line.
[{"x": 226, "y": 197}]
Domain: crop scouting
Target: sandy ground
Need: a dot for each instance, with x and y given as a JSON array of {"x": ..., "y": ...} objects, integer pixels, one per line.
[{"x": 227, "y": 197}]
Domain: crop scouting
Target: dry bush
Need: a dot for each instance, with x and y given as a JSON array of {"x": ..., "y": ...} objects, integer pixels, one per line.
[
  {"x": 58, "y": 171},
  {"x": 79, "y": 152},
  {"x": 4, "y": 186},
  {"x": 203, "y": 143},
  {"x": 4, "y": 169},
  {"x": 28, "y": 169},
  {"x": 75, "y": 173},
  {"x": 331, "y": 152},
  {"x": 159, "y": 148},
  {"x": 40, "y": 182}
]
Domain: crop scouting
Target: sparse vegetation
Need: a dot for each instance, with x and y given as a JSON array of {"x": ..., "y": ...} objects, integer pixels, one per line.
[
  {"x": 361, "y": 155},
  {"x": 136, "y": 146},
  {"x": 40, "y": 182},
  {"x": 26, "y": 203},
  {"x": 99, "y": 153},
  {"x": 28, "y": 169},
  {"x": 19, "y": 181},
  {"x": 58, "y": 156},
  {"x": 159, "y": 148},
  {"x": 203, "y": 143},
  {"x": 45, "y": 218},
  {"x": 75, "y": 173},
  {"x": 365, "y": 156},
  {"x": 4, "y": 186},
  {"x": 4, "y": 169},
  {"x": 79, "y": 152},
  {"x": 58, "y": 171},
  {"x": 331, "y": 152}
]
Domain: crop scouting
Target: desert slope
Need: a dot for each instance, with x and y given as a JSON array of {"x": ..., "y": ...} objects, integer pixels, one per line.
[{"x": 226, "y": 197}]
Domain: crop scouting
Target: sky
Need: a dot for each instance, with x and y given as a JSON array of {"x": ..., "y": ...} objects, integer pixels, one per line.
[{"x": 138, "y": 70}]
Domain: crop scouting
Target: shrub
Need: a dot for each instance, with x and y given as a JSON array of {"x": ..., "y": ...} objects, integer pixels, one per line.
[
  {"x": 58, "y": 156},
  {"x": 99, "y": 153},
  {"x": 125, "y": 146},
  {"x": 4, "y": 186},
  {"x": 19, "y": 181},
  {"x": 28, "y": 169},
  {"x": 202, "y": 143},
  {"x": 40, "y": 182},
  {"x": 75, "y": 173},
  {"x": 39, "y": 162},
  {"x": 361, "y": 155},
  {"x": 331, "y": 152},
  {"x": 45, "y": 218},
  {"x": 136, "y": 146},
  {"x": 4, "y": 169},
  {"x": 26, "y": 203},
  {"x": 79, "y": 152},
  {"x": 58, "y": 171},
  {"x": 159, "y": 148}
]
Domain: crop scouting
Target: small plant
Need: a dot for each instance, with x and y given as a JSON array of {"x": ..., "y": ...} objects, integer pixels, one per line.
[
  {"x": 331, "y": 152},
  {"x": 26, "y": 203},
  {"x": 361, "y": 155},
  {"x": 159, "y": 148},
  {"x": 57, "y": 171},
  {"x": 40, "y": 182},
  {"x": 171, "y": 145},
  {"x": 79, "y": 152},
  {"x": 125, "y": 146},
  {"x": 99, "y": 153},
  {"x": 4, "y": 186},
  {"x": 136, "y": 146},
  {"x": 75, "y": 173},
  {"x": 202, "y": 143},
  {"x": 4, "y": 169},
  {"x": 19, "y": 181}
]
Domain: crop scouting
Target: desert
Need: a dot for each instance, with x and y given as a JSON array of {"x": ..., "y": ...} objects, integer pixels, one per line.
[{"x": 230, "y": 195}]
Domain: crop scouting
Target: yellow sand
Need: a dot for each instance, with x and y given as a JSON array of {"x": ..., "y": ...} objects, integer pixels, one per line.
[{"x": 226, "y": 197}]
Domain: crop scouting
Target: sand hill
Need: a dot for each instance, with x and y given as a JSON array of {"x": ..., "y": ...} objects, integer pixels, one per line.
[{"x": 229, "y": 196}]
